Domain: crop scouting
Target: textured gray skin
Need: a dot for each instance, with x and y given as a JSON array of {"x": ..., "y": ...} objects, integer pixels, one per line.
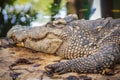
[{"x": 90, "y": 45}]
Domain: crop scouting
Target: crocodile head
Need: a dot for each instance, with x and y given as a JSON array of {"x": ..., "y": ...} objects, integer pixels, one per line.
[
  {"x": 47, "y": 38},
  {"x": 44, "y": 39}
]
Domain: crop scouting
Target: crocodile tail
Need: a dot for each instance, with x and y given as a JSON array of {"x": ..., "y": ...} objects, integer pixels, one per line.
[{"x": 95, "y": 63}]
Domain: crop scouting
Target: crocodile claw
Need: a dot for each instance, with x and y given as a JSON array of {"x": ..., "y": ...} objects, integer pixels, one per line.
[{"x": 59, "y": 68}]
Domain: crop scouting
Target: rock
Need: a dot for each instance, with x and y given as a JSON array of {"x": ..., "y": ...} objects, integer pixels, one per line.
[{"x": 35, "y": 70}]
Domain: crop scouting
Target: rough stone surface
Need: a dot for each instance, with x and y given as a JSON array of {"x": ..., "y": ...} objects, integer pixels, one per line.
[{"x": 23, "y": 64}]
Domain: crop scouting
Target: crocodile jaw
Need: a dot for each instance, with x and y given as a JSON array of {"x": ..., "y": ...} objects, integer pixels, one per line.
[
  {"x": 47, "y": 45},
  {"x": 42, "y": 39}
]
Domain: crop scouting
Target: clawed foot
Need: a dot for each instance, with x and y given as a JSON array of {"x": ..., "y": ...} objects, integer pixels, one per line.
[
  {"x": 59, "y": 68},
  {"x": 107, "y": 71}
]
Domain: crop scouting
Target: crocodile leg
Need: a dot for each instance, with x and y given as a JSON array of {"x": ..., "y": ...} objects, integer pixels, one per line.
[{"x": 95, "y": 63}]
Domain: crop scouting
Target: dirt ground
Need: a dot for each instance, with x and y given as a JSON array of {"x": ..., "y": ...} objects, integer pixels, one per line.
[{"x": 24, "y": 64}]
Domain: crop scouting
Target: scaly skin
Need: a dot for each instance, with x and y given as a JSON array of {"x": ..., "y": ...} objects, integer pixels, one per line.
[{"x": 92, "y": 45}]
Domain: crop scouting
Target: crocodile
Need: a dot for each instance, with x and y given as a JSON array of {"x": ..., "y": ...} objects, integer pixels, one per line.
[{"x": 90, "y": 46}]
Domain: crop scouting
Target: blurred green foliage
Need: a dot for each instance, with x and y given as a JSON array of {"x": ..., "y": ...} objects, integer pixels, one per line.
[
  {"x": 40, "y": 5},
  {"x": 37, "y": 5},
  {"x": 55, "y": 7},
  {"x": 23, "y": 12},
  {"x": 83, "y": 8},
  {"x": 11, "y": 14},
  {"x": 4, "y": 2}
]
